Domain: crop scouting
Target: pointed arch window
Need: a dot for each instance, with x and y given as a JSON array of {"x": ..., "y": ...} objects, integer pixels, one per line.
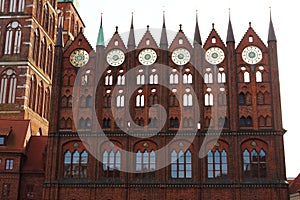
[
  {"x": 217, "y": 163},
  {"x": 246, "y": 77},
  {"x": 75, "y": 164},
  {"x": 242, "y": 98},
  {"x": 47, "y": 104},
  {"x": 111, "y": 160},
  {"x": 120, "y": 101},
  {"x": 221, "y": 77},
  {"x": 2, "y": 4},
  {"x": 89, "y": 101},
  {"x": 259, "y": 77},
  {"x": 187, "y": 100},
  {"x": 254, "y": 163},
  {"x": 181, "y": 166},
  {"x": 174, "y": 78},
  {"x": 8, "y": 86},
  {"x": 49, "y": 62},
  {"x": 13, "y": 38},
  {"x": 187, "y": 78},
  {"x": 153, "y": 79},
  {"x": 43, "y": 54},
  {"x": 13, "y": 6},
  {"x": 32, "y": 99},
  {"x": 107, "y": 101},
  {"x": 173, "y": 100},
  {"x": 106, "y": 123},
  {"x": 245, "y": 121},
  {"x": 209, "y": 99},
  {"x": 121, "y": 79},
  {"x": 36, "y": 42},
  {"x": 145, "y": 161},
  {"x": 46, "y": 18},
  {"x": 40, "y": 98},
  {"x": 174, "y": 122},
  {"x": 140, "y": 79},
  {"x": 152, "y": 99},
  {"x": 208, "y": 77},
  {"x": 108, "y": 79},
  {"x": 140, "y": 100}
]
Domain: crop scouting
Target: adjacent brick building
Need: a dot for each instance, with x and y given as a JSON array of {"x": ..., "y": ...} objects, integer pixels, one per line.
[{"x": 223, "y": 134}]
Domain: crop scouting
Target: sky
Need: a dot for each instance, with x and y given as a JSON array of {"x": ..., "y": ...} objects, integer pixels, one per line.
[{"x": 284, "y": 16}]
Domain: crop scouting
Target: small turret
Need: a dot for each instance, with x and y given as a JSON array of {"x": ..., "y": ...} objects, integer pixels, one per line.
[
  {"x": 131, "y": 39},
  {"x": 272, "y": 36},
  {"x": 197, "y": 37},
  {"x": 164, "y": 38},
  {"x": 59, "y": 37},
  {"x": 230, "y": 36}
]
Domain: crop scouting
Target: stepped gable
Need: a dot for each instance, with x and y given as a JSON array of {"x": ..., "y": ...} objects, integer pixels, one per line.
[
  {"x": 214, "y": 35},
  {"x": 113, "y": 44},
  {"x": 257, "y": 41},
  {"x": 185, "y": 42},
  {"x": 147, "y": 41}
]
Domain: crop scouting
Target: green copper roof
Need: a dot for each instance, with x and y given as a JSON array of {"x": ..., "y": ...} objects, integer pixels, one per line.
[{"x": 100, "y": 40}]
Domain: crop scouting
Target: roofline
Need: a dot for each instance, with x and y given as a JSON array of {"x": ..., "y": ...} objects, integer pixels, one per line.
[{"x": 75, "y": 10}]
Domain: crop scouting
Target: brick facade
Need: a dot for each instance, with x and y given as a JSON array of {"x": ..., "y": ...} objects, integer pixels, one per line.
[{"x": 203, "y": 97}]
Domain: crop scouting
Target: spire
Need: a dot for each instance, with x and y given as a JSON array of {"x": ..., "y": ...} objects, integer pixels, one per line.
[
  {"x": 100, "y": 40},
  {"x": 163, "y": 37},
  {"x": 59, "y": 37},
  {"x": 131, "y": 39},
  {"x": 197, "y": 37},
  {"x": 272, "y": 36},
  {"x": 230, "y": 36}
]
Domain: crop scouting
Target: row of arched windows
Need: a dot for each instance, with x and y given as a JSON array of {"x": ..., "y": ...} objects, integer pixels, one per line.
[
  {"x": 174, "y": 122},
  {"x": 254, "y": 162},
  {"x": 246, "y": 98},
  {"x": 42, "y": 53},
  {"x": 75, "y": 164},
  {"x": 45, "y": 17},
  {"x": 13, "y": 6},
  {"x": 187, "y": 78},
  {"x": 208, "y": 77},
  {"x": 187, "y": 99},
  {"x": 246, "y": 76},
  {"x": 39, "y": 98},
  {"x": 153, "y": 79}
]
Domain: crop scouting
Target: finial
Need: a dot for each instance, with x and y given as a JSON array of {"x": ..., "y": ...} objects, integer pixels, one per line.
[
  {"x": 116, "y": 29},
  {"x": 250, "y": 24},
  {"x": 148, "y": 27},
  {"x": 101, "y": 20},
  {"x": 229, "y": 12},
  {"x": 213, "y": 25},
  {"x": 180, "y": 27}
]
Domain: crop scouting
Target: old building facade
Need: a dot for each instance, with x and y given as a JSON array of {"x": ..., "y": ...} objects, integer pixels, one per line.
[{"x": 222, "y": 137}]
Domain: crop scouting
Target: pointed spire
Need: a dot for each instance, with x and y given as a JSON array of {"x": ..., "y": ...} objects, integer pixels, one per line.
[
  {"x": 131, "y": 39},
  {"x": 59, "y": 37},
  {"x": 163, "y": 37},
  {"x": 197, "y": 37},
  {"x": 230, "y": 36},
  {"x": 100, "y": 40},
  {"x": 272, "y": 36}
]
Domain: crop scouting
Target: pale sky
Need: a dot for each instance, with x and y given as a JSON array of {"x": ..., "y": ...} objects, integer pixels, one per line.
[{"x": 285, "y": 15}]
